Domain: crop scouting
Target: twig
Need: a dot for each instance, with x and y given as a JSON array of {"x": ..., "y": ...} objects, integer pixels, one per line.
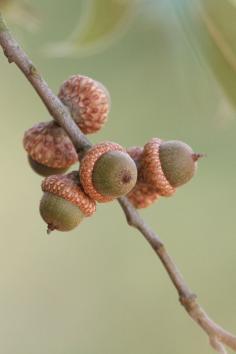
[
  {"x": 57, "y": 110},
  {"x": 218, "y": 337}
]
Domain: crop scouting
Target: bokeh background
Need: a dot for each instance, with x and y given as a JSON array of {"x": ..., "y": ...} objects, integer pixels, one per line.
[{"x": 101, "y": 289}]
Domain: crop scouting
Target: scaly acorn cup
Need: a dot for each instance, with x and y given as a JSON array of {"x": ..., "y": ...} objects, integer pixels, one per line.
[
  {"x": 107, "y": 172},
  {"x": 88, "y": 101},
  {"x": 50, "y": 150},
  {"x": 135, "y": 152},
  {"x": 142, "y": 195},
  {"x": 167, "y": 165},
  {"x": 64, "y": 203}
]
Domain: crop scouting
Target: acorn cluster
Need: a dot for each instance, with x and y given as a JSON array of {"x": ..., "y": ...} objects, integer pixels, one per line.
[{"x": 107, "y": 170}]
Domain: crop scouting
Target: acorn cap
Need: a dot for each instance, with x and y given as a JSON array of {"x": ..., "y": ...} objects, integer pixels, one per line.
[
  {"x": 49, "y": 145},
  {"x": 87, "y": 168},
  {"x": 135, "y": 152},
  {"x": 68, "y": 187},
  {"x": 151, "y": 169},
  {"x": 114, "y": 174},
  {"x": 142, "y": 195},
  {"x": 178, "y": 162},
  {"x": 88, "y": 101}
]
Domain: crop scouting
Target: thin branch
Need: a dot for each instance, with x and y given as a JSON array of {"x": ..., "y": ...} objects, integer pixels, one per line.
[
  {"x": 218, "y": 337},
  {"x": 56, "y": 109}
]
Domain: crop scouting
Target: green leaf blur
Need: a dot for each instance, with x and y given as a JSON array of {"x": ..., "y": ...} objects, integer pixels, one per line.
[
  {"x": 102, "y": 21},
  {"x": 210, "y": 29}
]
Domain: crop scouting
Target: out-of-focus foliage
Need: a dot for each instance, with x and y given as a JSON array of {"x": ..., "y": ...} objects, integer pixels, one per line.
[
  {"x": 210, "y": 26},
  {"x": 102, "y": 21},
  {"x": 21, "y": 13}
]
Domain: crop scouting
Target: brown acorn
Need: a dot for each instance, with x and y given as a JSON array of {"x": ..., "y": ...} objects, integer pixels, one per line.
[
  {"x": 88, "y": 101},
  {"x": 64, "y": 203},
  {"x": 50, "y": 150},
  {"x": 107, "y": 172},
  {"x": 167, "y": 165}
]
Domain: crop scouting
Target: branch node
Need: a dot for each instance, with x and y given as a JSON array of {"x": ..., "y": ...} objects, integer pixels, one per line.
[
  {"x": 188, "y": 301},
  {"x": 33, "y": 71},
  {"x": 217, "y": 345}
]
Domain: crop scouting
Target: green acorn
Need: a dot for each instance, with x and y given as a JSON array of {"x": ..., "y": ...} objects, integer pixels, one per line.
[
  {"x": 178, "y": 162},
  {"x": 64, "y": 204},
  {"x": 107, "y": 172},
  {"x": 114, "y": 174},
  {"x": 167, "y": 165},
  {"x": 59, "y": 213}
]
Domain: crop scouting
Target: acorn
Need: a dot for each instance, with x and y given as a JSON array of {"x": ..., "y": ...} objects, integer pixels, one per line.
[
  {"x": 167, "y": 165},
  {"x": 50, "y": 150},
  {"x": 88, "y": 101},
  {"x": 107, "y": 172},
  {"x": 64, "y": 203}
]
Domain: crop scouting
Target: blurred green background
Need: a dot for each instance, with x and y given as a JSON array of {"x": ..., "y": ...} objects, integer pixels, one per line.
[{"x": 101, "y": 289}]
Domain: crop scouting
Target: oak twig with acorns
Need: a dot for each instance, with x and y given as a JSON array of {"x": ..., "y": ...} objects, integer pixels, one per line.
[
  {"x": 172, "y": 164},
  {"x": 107, "y": 171}
]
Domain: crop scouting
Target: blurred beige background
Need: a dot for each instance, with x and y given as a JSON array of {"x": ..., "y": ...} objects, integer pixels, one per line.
[{"x": 100, "y": 289}]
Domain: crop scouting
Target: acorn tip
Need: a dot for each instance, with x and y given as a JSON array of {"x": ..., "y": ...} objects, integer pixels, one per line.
[
  {"x": 197, "y": 156},
  {"x": 50, "y": 228}
]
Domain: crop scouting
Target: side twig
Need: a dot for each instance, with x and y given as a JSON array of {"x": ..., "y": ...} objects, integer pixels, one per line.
[{"x": 218, "y": 337}]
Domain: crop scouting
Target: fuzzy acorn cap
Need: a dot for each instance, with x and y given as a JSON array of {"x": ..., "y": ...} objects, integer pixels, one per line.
[
  {"x": 107, "y": 172},
  {"x": 68, "y": 187},
  {"x": 88, "y": 101},
  {"x": 142, "y": 195},
  {"x": 151, "y": 169},
  {"x": 49, "y": 145},
  {"x": 135, "y": 152}
]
